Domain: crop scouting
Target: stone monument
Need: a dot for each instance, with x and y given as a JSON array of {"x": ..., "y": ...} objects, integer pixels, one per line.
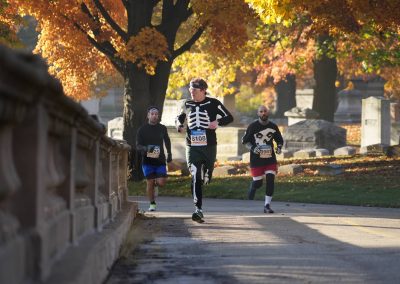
[
  {"x": 375, "y": 122},
  {"x": 314, "y": 134},
  {"x": 349, "y": 100},
  {"x": 303, "y": 109}
]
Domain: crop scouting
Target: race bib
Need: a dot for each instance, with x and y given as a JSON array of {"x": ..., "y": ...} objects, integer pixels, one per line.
[
  {"x": 153, "y": 151},
  {"x": 265, "y": 151},
  {"x": 198, "y": 138}
]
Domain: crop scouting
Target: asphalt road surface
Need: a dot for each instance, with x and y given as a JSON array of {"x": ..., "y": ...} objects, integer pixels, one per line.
[{"x": 238, "y": 243}]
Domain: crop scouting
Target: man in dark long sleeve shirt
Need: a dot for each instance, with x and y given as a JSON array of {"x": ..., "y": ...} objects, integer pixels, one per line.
[
  {"x": 259, "y": 138},
  {"x": 203, "y": 115},
  {"x": 151, "y": 138}
]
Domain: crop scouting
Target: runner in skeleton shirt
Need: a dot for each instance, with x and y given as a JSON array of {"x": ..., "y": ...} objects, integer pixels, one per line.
[
  {"x": 203, "y": 115},
  {"x": 259, "y": 138}
]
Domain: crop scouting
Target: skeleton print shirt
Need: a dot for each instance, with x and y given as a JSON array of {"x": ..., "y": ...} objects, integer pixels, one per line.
[
  {"x": 263, "y": 136},
  {"x": 198, "y": 116}
]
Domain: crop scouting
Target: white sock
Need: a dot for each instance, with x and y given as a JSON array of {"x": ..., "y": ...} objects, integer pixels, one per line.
[{"x": 268, "y": 199}]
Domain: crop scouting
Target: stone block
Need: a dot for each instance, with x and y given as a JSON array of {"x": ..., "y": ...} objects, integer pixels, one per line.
[
  {"x": 115, "y": 128},
  {"x": 291, "y": 169},
  {"x": 246, "y": 157},
  {"x": 285, "y": 154},
  {"x": 178, "y": 165},
  {"x": 330, "y": 170},
  {"x": 393, "y": 151},
  {"x": 305, "y": 153},
  {"x": 224, "y": 171},
  {"x": 321, "y": 152},
  {"x": 314, "y": 134},
  {"x": 345, "y": 151}
]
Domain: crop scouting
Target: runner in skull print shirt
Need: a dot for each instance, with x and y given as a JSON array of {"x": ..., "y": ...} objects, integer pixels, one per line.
[
  {"x": 259, "y": 138},
  {"x": 203, "y": 116}
]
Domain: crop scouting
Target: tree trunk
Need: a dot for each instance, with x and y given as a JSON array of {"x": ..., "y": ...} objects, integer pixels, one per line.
[
  {"x": 141, "y": 90},
  {"x": 286, "y": 95},
  {"x": 325, "y": 74}
]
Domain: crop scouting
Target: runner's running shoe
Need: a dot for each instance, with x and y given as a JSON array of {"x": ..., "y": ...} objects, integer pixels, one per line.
[
  {"x": 197, "y": 217},
  {"x": 199, "y": 212},
  {"x": 267, "y": 209},
  {"x": 152, "y": 207}
]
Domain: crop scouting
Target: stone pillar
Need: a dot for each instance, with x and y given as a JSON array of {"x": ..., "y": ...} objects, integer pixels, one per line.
[
  {"x": 229, "y": 101},
  {"x": 349, "y": 107},
  {"x": 375, "y": 122}
]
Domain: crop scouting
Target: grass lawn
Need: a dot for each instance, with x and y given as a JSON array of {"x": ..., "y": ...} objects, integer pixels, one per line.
[{"x": 366, "y": 181}]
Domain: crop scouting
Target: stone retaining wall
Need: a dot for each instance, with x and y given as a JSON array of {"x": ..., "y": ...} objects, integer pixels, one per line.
[{"x": 62, "y": 180}]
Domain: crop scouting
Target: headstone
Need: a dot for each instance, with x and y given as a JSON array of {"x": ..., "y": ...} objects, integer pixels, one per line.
[
  {"x": 115, "y": 128},
  {"x": 229, "y": 101},
  {"x": 314, "y": 134},
  {"x": 349, "y": 107},
  {"x": 304, "y": 98},
  {"x": 330, "y": 170},
  {"x": 298, "y": 114},
  {"x": 321, "y": 152},
  {"x": 304, "y": 154},
  {"x": 376, "y": 150},
  {"x": 224, "y": 171},
  {"x": 344, "y": 151},
  {"x": 178, "y": 165},
  {"x": 170, "y": 110},
  {"x": 291, "y": 169},
  {"x": 285, "y": 154},
  {"x": 246, "y": 157},
  {"x": 349, "y": 100},
  {"x": 375, "y": 123},
  {"x": 394, "y": 151}
]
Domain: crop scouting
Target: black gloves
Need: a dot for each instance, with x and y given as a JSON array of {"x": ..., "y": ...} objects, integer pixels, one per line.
[{"x": 169, "y": 158}]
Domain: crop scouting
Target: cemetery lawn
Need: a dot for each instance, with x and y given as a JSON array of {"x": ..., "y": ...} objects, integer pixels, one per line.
[{"x": 366, "y": 181}]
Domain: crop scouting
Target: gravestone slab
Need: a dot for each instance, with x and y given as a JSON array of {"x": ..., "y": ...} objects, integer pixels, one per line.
[
  {"x": 314, "y": 134},
  {"x": 224, "y": 171},
  {"x": 330, "y": 170},
  {"x": 321, "y": 152},
  {"x": 291, "y": 169},
  {"x": 305, "y": 153},
  {"x": 344, "y": 151},
  {"x": 285, "y": 154},
  {"x": 375, "y": 121},
  {"x": 297, "y": 114},
  {"x": 394, "y": 151},
  {"x": 375, "y": 150},
  {"x": 115, "y": 128}
]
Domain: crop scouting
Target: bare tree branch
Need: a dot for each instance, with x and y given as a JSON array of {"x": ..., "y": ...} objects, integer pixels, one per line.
[
  {"x": 117, "y": 63},
  {"x": 110, "y": 20},
  {"x": 187, "y": 45}
]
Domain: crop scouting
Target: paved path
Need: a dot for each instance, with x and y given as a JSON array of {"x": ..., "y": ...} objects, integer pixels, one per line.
[{"x": 300, "y": 243}]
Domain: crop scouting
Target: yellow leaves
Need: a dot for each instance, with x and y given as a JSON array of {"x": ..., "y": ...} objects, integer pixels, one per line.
[
  {"x": 226, "y": 22},
  {"x": 146, "y": 48},
  {"x": 273, "y": 11},
  {"x": 218, "y": 72}
]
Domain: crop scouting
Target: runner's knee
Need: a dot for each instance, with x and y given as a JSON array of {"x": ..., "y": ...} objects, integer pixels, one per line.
[{"x": 256, "y": 183}]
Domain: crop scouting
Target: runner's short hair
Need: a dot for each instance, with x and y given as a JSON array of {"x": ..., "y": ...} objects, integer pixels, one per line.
[
  {"x": 150, "y": 108},
  {"x": 198, "y": 83}
]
